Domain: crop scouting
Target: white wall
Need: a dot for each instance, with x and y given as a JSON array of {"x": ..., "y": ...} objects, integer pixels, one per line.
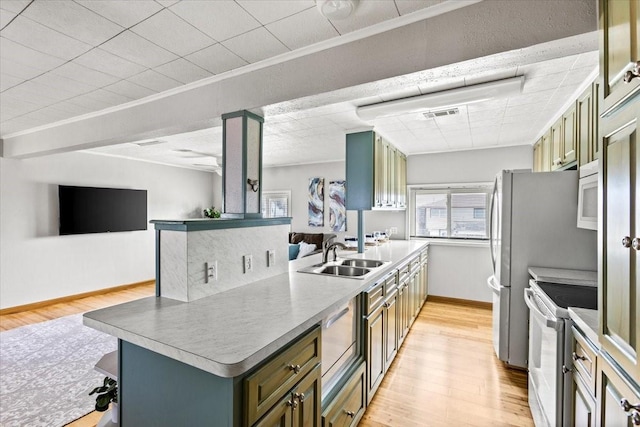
[{"x": 37, "y": 264}]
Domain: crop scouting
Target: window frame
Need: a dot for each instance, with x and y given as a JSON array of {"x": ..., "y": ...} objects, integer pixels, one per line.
[
  {"x": 449, "y": 189},
  {"x": 276, "y": 194}
]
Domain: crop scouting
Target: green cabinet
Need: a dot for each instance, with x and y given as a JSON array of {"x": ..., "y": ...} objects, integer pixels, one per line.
[
  {"x": 619, "y": 50},
  {"x": 618, "y": 398},
  {"x": 348, "y": 407},
  {"x": 376, "y": 173},
  {"x": 587, "y": 124},
  {"x": 375, "y": 349},
  {"x": 583, "y": 381}
]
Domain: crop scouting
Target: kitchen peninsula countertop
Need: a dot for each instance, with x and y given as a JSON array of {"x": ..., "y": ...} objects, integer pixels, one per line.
[{"x": 229, "y": 333}]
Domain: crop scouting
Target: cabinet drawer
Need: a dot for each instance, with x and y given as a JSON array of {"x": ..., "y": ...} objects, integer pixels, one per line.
[
  {"x": 349, "y": 405},
  {"x": 374, "y": 297},
  {"x": 390, "y": 283},
  {"x": 414, "y": 264},
  {"x": 266, "y": 386},
  {"x": 403, "y": 272},
  {"x": 584, "y": 359}
]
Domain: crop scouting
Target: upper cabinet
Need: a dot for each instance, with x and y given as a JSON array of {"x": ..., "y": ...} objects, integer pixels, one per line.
[
  {"x": 619, "y": 50},
  {"x": 587, "y": 124},
  {"x": 376, "y": 173}
]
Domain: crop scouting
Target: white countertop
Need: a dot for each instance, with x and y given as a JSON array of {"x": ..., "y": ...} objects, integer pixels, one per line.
[
  {"x": 231, "y": 332},
  {"x": 565, "y": 277},
  {"x": 587, "y": 321}
]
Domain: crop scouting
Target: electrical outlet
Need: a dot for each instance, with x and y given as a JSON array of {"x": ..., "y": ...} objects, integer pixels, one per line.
[
  {"x": 271, "y": 258},
  {"x": 211, "y": 270},
  {"x": 248, "y": 263},
  {"x": 393, "y": 230}
]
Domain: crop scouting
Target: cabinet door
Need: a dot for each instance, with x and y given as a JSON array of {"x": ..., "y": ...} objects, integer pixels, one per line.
[
  {"x": 546, "y": 151},
  {"x": 307, "y": 393},
  {"x": 613, "y": 389},
  {"x": 347, "y": 408},
  {"x": 556, "y": 145},
  {"x": 391, "y": 177},
  {"x": 620, "y": 269},
  {"x": 374, "y": 325},
  {"x": 281, "y": 415},
  {"x": 583, "y": 409},
  {"x": 391, "y": 329},
  {"x": 619, "y": 26},
  {"x": 379, "y": 175},
  {"x": 537, "y": 156},
  {"x": 569, "y": 148},
  {"x": 402, "y": 313},
  {"x": 401, "y": 174},
  {"x": 585, "y": 128}
]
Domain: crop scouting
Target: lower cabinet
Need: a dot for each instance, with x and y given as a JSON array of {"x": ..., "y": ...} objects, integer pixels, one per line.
[
  {"x": 403, "y": 311},
  {"x": 286, "y": 390},
  {"x": 618, "y": 397},
  {"x": 374, "y": 326},
  {"x": 391, "y": 329},
  {"x": 584, "y": 404},
  {"x": 347, "y": 408}
]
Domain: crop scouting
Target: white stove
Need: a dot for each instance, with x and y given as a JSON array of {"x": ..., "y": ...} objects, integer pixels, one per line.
[{"x": 548, "y": 303}]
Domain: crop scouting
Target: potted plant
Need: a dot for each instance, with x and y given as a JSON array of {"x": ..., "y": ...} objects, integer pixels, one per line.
[
  {"x": 211, "y": 212},
  {"x": 106, "y": 394}
]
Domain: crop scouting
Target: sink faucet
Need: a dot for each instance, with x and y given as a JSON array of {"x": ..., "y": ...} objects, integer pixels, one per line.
[{"x": 331, "y": 246}]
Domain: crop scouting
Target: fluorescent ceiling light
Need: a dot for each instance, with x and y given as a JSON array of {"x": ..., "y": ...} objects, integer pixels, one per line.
[{"x": 445, "y": 99}]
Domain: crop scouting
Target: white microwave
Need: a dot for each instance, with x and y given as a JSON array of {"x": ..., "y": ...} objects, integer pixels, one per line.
[{"x": 588, "y": 196}]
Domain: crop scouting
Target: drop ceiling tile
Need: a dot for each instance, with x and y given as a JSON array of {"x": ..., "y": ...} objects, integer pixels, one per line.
[
  {"x": 123, "y": 13},
  {"x": 15, "y": 6},
  {"x": 14, "y": 106},
  {"x": 366, "y": 14},
  {"x": 183, "y": 71},
  {"x": 37, "y": 93},
  {"x": 485, "y": 125},
  {"x": 23, "y": 55},
  {"x": 74, "y": 71},
  {"x": 535, "y": 100},
  {"x": 70, "y": 87},
  {"x": 136, "y": 49},
  {"x": 496, "y": 114},
  {"x": 167, "y": 3},
  {"x": 316, "y": 29},
  {"x": 408, "y": 6},
  {"x": 51, "y": 114},
  {"x": 267, "y": 12},
  {"x": 154, "y": 81},
  {"x": 221, "y": 19},
  {"x": 493, "y": 104},
  {"x": 7, "y": 81},
  {"x": 16, "y": 70},
  {"x": 38, "y": 37},
  {"x": 587, "y": 59},
  {"x": 544, "y": 68},
  {"x": 523, "y": 120},
  {"x": 70, "y": 18},
  {"x": 216, "y": 59},
  {"x": 485, "y": 140},
  {"x": 255, "y": 45},
  {"x": 542, "y": 83},
  {"x": 129, "y": 90},
  {"x": 182, "y": 39},
  {"x": 90, "y": 102},
  {"x": 6, "y": 17},
  {"x": 72, "y": 109},
  {"x": 518, "y": 110},
  {"x": 18, "y": 124},
  {"x": 101, "y": 60}
]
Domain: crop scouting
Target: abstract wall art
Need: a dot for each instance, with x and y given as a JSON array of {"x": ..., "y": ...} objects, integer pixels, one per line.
[
  {"x": 316, "y": 202},
  {"x": 337, "y": 209}
]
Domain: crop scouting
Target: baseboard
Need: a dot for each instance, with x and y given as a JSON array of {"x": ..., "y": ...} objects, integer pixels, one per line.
[
  {"x": 459, "y": 301},
  {"x": 40, "y": 304}
]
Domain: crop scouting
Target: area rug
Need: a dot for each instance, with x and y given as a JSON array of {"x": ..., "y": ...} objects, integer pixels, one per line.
[{"x": 46, "y": 372}]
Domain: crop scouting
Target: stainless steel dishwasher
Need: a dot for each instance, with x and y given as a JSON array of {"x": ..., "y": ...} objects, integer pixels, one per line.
[{"x": 340, "y": 342}]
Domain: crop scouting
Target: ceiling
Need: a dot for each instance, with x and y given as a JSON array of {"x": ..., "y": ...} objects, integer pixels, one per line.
[{"x": 62, "y": 59}]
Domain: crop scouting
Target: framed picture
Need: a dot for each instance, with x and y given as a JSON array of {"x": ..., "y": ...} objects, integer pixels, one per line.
[
  {"x": 316, "y": 202},
  {"x": 337, "y": 209}
]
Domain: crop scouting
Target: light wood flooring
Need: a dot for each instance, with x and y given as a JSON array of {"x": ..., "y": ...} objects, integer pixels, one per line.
[{"x": 445, "y": 374}]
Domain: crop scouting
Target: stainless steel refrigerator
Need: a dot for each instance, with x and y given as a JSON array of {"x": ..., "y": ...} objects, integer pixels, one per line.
[{"x": 533, "y": 223}]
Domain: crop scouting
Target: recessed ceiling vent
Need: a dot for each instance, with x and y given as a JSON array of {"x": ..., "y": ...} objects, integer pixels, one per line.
[{"x": 442, "y": 113}]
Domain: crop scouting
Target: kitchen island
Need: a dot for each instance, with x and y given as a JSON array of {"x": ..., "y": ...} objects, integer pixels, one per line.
[{"x": 182, "y": 363}]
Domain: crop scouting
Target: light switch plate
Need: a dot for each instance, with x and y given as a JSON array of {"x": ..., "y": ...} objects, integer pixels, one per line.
[
  {"x": 271, "y": 258},
  {"x": 248, "y": 263},
  {"x": 211, "y": 271}
]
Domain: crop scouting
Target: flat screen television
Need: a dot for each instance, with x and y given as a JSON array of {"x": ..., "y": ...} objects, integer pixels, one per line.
[{"x": 101, "y": 210}]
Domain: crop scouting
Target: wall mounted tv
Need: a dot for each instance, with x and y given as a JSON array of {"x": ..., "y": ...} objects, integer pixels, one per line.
[{"x": 100, "y": 210}]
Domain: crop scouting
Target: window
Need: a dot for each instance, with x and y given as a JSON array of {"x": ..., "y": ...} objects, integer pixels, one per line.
[
  {"x": 275, "y": 204},
  {"x": 458, "y": 213}
]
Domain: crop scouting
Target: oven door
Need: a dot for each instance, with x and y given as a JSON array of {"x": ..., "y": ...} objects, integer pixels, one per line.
[{"x": 546, "y": 356}]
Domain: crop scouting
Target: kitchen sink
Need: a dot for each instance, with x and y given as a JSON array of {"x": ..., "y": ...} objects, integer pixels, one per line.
[
  {"x": 342, "y": 270},
  {"x": 366, "y": 263},
  {"x": 352, "y": 268}
]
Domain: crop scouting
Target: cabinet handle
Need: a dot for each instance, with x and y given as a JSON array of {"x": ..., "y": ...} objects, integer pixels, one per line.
[
  {"x": 627, "y": 406},
  {"x": 632, "y": 73},
  {"x": 292, "y": 403},
  {"x": 299, "y": 396},
  {"x": 350, "y": 413},
  {"x": 635, "y": 418},
  {"x": 635, "y": 244},
  {"x": 294, "y": 368},
  {"x": 566, "y": 370},
  {"x": 386, "y": 305},
  {"x": 576, "y": 357},
  {"x": 626, "y": 241}
]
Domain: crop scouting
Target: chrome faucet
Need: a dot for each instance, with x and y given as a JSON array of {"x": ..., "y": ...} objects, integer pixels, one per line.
[{"x": 331, "y": 246}]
